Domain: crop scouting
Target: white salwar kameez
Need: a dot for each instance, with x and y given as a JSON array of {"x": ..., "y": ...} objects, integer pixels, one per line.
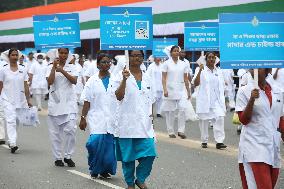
[{"x": 176, "y": 99}]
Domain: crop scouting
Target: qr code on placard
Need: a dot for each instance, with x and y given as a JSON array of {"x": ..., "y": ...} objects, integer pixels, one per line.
[{"x": 141, "y": 29}]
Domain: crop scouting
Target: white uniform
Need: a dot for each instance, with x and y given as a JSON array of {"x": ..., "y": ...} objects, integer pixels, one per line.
[
  {"x": 29, "y": 64},
  {"x": 13, "y": 98},
  {"x": 62, "y": 110},
  {"x": 210, "y": 103},
  {"x": 260, "y": 140},
  {"x": 230, "y": 86},
  {"x": 99, "y": 118},
  {"x": 80, "y": 82},
  {"x": 2, "y": 116},
  {"x": 176, "y": 99},
  {"x": 280, "y": 77},
  {"x": 92, "y": 69},
  {"x": 39, "y": 83},
  {"x": 134, "y": 119},
  {"x": 155, "y": 74}
]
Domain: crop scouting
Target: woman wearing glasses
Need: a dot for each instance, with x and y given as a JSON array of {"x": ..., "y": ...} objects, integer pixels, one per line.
[
  {"x": 134, "y": 129},
  {"x": 96, "y": 114}
]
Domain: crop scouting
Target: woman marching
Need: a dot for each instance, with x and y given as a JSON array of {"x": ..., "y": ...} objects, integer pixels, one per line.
[
  {"x": 175, "y": 79},
  {"x": 210, "y": 100},
  {"x": 96, "y": 114},
  {"x": 261, "y": 112},
  {"x": 62, "y": 105},
  {"x": 134, "y": 129},
  {"x": 14, "y": 91},
  {"x": 38, "y": 81}
]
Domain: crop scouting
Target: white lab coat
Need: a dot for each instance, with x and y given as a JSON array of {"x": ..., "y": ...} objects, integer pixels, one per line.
[
  {"x": 260, "y": 140},
  {"x": 102, "y": 106},
  {"x": 230, "y": 86},
  {"x": 280, "y": 77},
  {"x": 80, "y": 80},
  {"x": 155, "y": 74},
  {"x": 92, "y": 69},
  {"x": 203, "y": 93},
  {"x": 134, "y": 119},
  {"x": 39, "y": 83},
  {"x": 62, "y": 97}
]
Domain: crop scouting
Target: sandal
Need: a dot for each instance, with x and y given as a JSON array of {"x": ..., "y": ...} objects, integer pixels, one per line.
[{"x": 141, "y": 186}]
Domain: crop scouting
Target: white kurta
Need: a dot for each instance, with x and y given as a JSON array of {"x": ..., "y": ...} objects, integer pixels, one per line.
[
  {"x": 13, "y": 86},
  {"x": 175, "y": 85},
  {"x": 39, "y": 83},
  {"x": 260, "y": 140},
  {"x": 62, "y": 97},
  {"x": 134, "y": 110}
]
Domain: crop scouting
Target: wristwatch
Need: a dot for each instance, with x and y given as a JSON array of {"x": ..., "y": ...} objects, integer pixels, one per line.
[{"x": 84, "y": 117}]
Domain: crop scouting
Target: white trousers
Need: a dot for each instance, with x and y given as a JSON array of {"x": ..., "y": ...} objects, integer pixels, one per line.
[
  {"x": 158, "y": 104},
  {"x": 218, "y": 129},
  {"x": 11, "y": 122},
  {"x": 38, "y": 98},
  {"x": 249, "y": 176},
  {"x": 170, "y": 121},
  {"x": 2, "y": 121},
  {"x": 60, "y": 130}
]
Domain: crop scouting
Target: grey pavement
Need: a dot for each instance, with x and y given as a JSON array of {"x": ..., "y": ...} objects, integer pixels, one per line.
[{"x": 181, "y": 164}]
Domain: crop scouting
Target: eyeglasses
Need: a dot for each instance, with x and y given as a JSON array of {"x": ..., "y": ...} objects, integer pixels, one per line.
[
  {"x": 105, "y": 62},
  {"x": 136, "y": 55}
]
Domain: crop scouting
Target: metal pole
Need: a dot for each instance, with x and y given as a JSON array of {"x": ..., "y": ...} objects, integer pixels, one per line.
[{"x": 45, "y": 2}]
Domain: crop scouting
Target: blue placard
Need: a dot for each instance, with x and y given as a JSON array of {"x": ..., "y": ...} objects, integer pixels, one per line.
[
  {"x": 126, "y": 28},
  {"x": 252, "y": 40},
  {"x": 57, "y": 30},
  {"x": 201, "y": 36},
  {"x": 159, "y": 44}
]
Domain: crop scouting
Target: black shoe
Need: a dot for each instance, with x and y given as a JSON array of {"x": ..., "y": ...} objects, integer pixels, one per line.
[
  {"x": 159, "y": 115},
  {"x": 59, "y": 163},
  {"x": 14, "y": 149},
  {"x": 105, "y": 176},
  {"x": 2, "y": 142},
  {"x": 220, "y": 146},
  {"x": 204, "y": 145},
  {"x": 69, "y": 162},
  {"x": 172, "y": 136},
  {"x": 181, "y": 135},
  {"x": 94, "y": 176}
]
